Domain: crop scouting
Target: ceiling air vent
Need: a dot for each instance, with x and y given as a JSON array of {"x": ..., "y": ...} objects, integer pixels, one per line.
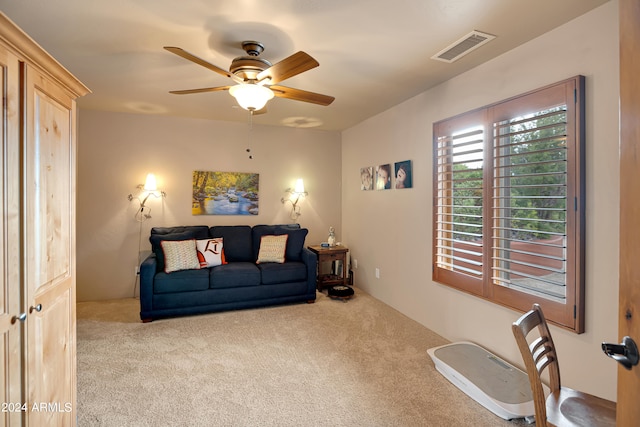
[{"x": 457, "y": 50}]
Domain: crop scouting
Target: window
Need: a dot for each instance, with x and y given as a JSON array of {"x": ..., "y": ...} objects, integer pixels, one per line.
[{"x": 509, "y": 202}]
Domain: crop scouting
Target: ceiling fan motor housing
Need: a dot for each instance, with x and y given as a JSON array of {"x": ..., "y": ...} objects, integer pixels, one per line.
[{"x": 248, "y": 67}]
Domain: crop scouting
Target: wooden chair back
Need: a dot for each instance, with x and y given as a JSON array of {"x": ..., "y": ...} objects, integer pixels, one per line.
[
  {"x": 563, "y": 406},
  {"x": 538, "y": 356}
]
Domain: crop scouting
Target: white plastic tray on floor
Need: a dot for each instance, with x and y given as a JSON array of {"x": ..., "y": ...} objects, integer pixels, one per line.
[{"x": 494, "y": 383}]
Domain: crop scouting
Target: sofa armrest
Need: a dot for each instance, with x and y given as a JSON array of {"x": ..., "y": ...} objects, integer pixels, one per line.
[
  {"x": 311, "y": 261},
  {"x": 147, "y": 273}
]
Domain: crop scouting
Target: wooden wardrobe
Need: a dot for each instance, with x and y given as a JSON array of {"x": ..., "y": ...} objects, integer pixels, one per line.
[{"x": 38, "y": 253}]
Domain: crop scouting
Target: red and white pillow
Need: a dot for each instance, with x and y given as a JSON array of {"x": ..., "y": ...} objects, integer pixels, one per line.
[{"x": 210, "y": 252}]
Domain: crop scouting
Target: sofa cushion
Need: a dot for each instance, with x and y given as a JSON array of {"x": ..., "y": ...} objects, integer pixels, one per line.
[
  {"x": 237, "y": 242},
  {"x": 234, "y": 275},
  {"x": 180, "y": 255},
  {"x": 210, "y": 252},
  {"x": 181, "y": 281},
  {"x": 158, "y": 234},
  {"x": 272, "y": 273},
  {"x": 295, "y": 242},
  {"x": 272, "y": 249}
]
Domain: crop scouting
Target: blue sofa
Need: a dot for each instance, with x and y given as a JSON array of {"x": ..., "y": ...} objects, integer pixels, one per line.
[{"x": 239, "y": 284}]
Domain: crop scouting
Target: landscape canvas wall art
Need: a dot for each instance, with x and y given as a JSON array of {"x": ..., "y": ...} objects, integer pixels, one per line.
[{"x": 225, "y": 193}]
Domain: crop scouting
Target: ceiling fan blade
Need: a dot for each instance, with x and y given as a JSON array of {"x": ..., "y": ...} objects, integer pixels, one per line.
[
  {"x": 190, "y": 57},
  {"x": 201, "y": 90},
  {"x": 301, "y": 95},
  {"x": 288, "y": 67}
]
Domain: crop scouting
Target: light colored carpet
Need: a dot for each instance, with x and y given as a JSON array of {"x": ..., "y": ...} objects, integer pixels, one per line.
[{"x": 332, "y": 363}]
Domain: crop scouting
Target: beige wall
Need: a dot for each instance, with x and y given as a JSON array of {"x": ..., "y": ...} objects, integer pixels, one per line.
[
  {"x": 117, "y": 150},
  {"x": 391, "y": 230}
]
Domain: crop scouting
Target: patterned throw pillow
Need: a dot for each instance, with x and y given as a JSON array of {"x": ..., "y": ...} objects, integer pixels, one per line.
[
  {"x": 156, "y": 247},
  {"x": 180, "y": 255},
  {"x": 272, "y": 249},
  {"x": 210, "y": 252}
]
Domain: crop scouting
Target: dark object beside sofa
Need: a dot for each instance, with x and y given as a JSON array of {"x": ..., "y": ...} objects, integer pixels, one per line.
[{"x": 239, "y": 284}]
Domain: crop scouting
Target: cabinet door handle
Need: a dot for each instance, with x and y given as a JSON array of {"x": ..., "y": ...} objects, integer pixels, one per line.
[
  {"x": 37, "y": 308},
  {"x": 19, "y": 318}
]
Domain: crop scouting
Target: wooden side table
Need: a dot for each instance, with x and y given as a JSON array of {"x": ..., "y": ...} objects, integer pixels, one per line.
[{"x": 330, "y": 254}]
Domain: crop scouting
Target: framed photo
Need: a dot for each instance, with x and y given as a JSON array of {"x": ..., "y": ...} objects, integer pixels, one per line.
[
  {"x": 383, "y": 177},
  {"x": 225, "y": 193},
  {"x": 366, "y": 178},
  {"x": 403, "y": 174}
]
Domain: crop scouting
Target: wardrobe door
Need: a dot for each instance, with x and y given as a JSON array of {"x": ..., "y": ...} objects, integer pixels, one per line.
[
  {"x": 10, "y": 282},
  {"x": 49, "y": 222}
]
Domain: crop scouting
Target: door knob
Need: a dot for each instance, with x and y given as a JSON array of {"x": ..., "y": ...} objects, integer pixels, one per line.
[
  {"x": 625, "y": 353},
  {"x": 19, "y": 318},
  {"x": 37, "y": 308}
]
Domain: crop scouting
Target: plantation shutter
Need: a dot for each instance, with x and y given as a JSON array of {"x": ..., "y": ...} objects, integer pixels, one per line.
[
  {"x": 536, "y": 241},
  {"x": 508, "y": 202},
  {"x": 459, "y": 201}
]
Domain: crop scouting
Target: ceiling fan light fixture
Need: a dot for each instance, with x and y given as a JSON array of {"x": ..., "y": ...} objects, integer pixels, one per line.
[
  {"x": 255, "y": 77},
  {"x": 251, "y": 96}
]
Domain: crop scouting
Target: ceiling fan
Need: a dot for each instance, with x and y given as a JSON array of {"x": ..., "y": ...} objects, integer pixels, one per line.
[{"x": 256, "y": 77}]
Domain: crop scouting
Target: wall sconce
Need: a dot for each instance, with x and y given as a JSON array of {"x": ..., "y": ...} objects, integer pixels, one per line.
[
  {"x": 296, "y": 194},
  {"x": 149, "y": 188}
]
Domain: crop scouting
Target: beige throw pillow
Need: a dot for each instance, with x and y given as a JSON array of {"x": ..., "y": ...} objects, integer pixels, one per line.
[
  {"x": 272, "y": 249},
  {"x": 180, "y": 255}
]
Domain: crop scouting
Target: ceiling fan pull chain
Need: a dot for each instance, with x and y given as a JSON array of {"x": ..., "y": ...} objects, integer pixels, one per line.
[{"x": 249, "y": 133}]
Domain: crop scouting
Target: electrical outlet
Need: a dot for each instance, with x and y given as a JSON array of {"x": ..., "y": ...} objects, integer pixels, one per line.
[
  {"x": 355, "y": 263},
  {"x": 377, "y": 273}
]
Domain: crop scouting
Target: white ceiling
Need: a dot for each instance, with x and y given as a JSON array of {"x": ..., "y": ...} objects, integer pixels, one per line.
[{"x": 373, "y": 54}]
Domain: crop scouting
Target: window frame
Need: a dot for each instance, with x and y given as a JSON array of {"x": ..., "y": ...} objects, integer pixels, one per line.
[{"x": 570, "y": 314}]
